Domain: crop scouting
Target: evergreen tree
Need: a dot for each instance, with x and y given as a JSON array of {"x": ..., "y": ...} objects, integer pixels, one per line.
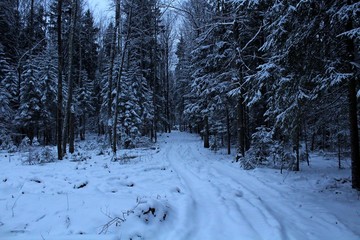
[
  {"x": 47, "y": 79},
  {"x": 29, "y": 112}
]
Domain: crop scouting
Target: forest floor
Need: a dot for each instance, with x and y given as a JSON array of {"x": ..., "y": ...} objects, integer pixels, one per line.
[{"x": 176, "y": 190}]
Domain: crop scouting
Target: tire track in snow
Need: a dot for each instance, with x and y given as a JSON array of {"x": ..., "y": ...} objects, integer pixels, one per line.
[
  {"x": 184, "y": 230},
  {"x": 247, "y": 206},
  {"x": 208, "y": 214},
  {"x": 223, "y": 202},
  {"x": 297, "y": 223}
]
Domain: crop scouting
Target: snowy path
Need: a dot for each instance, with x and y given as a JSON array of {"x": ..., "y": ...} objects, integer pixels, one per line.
[
  {"x": 195, "y": 194},
  {"x": 224, "y": 202}
]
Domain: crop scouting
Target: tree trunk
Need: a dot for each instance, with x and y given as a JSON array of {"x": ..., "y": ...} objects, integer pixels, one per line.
[
  {"x": 68, "y": 109},
  {"x": 206, "y": 132},
  {"x": 82, "y": 117},
  {"x": 72, "y": 133},
  {"x": 297, "y": 148},
  {"x": 59, "y": 87},
  {"x": 111, "y": 70},
  {"x": 306, "y": 143},
  {"x": 353, "y": 121},
  {"x": 354, "y": 135},
  {"x": 228, "y": 133},
  {"x": 118, "y": 82},
  {"x": 339, "y": 150},
  {"x": 241, "y": 127},
  {"x": 167, "y": 58}
]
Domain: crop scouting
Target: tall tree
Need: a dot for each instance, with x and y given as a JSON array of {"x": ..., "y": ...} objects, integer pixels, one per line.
[
  {"x": 59, "y": 112},
  {"x": 68, "y": 129}
]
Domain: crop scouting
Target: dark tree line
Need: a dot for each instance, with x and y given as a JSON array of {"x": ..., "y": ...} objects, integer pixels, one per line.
[
  {"x": 277, "y": 78},
  {"x": 58, "y": 69}
]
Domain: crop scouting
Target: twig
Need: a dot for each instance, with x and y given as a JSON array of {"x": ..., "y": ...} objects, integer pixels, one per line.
[
  {"x": 67, "y": 201},
  {"x": 12, "y": 208},
  {"x": 118, "y": 220}
]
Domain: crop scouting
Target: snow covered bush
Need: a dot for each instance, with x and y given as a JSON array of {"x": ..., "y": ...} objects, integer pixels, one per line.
[
  {"x": 35, "y": 142},
  {"x": 40, "y": 156},
  {"x": 79, "y": 156},
  {"x": 147, "y": 214},
  {"x": 25, "y": 144},
  {"x": 265, "y": 151},
  {"x": 261, "y": 150},
  {"x": 7, "y": 143}
]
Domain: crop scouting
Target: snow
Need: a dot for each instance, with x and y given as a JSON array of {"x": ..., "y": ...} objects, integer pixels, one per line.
[{"x": 177, "y": 190}]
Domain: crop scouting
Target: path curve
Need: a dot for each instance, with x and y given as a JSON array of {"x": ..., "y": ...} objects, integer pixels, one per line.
[{"x": 225, "y": 202}]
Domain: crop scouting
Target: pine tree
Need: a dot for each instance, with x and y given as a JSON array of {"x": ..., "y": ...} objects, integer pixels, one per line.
[
  {"x": 29, "y": 112},
  {"x": 47, "y": 78},
  {"x": 6, "y": 112}
]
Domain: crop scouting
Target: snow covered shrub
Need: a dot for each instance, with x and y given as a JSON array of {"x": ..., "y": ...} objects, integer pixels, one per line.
[
  {"x": 25, "y": 144},
  {"x": 47, "y": 155},
  {"x": 79, "y": 157},
  {"x": 214, "y": 145},
  {"x": 265, "y": 151},
  {"x": 144, "y": 142},
  {"x": 103, "y": 145},
  {"x": 153, "y": 211},
  {"x": 35, "y": 142},
  {"x": 129, "y": 143},
  {"x": 262, "y": 149},
  {"x": 7, "y": 144},
  {"x": 40, "y": 156}
]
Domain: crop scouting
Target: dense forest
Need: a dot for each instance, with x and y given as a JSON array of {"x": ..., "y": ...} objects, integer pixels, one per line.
[{"x": 276, "y": 79}]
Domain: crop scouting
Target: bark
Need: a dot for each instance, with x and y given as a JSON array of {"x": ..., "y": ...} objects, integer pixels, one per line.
[
  {"x": 111, "y": 70},
  {"x": 353, "y": 118},
  {"x": 354, "y": 135},
  {"x": 59, "y": 87},
  {"x": 297, "y": 148},
  {"x": 167, "y": 59},
  {"x": 306, "y": 143},
  {"x": 118, "y": 82},
  {"x": 81, "y": 84},
  {"x": 206, "y": 132},
  {"x": 72, "y": 133},
  {"x": 228, "y": 133},
  {"x": 68, "y": 118},
  {"x": 241, "y": 127}
]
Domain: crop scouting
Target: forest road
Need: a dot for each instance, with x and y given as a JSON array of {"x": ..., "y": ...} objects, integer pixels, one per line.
[{"x": 223, "y": 201}]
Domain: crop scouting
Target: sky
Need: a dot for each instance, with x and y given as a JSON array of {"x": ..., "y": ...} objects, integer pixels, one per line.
[{"x": 101, "y": 8}]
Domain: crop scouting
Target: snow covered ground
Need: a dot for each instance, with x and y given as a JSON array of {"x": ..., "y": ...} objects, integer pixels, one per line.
[{"x": 175, "y": 191}]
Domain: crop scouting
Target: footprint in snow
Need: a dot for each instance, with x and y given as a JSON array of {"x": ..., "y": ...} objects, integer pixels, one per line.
[
  {"x": 239, "y": 194},
  {"x": 176, "y": 190},
  {"x": 81, "y": 185}
]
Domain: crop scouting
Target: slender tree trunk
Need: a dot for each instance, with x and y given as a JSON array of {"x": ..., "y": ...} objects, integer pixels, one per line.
[
  {"x": 167, "y": 85},
  {"x": 68, "y": 119},
  {"x": 354, "y": 135},
  {"x": 32, "y": 39},
  {"x": 241, "y": 127},
  {"x": 72, "y": 133},
  {"x": 306, "y": 144},
  {"x": 339, "y": 150},
  {"x": 206, "y": 132},
  {"x": 353, "y": 114},
  {"x": 59, "y": 87},
  {"x": 111, "y": 70},
  {"x": 297, "y": 148},
  {"x": 82, "y": 88},
  {"x": 118, "y": 82},
  {"x": 228, "y": 133}
]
